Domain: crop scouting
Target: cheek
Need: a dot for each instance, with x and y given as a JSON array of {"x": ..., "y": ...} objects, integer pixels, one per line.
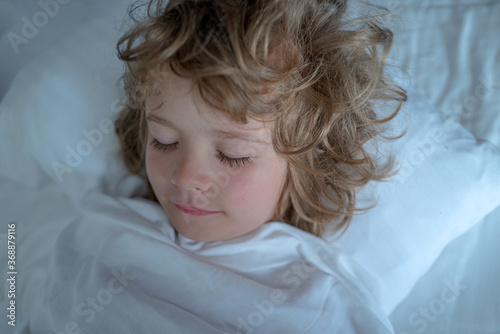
[
  {"x": 150, "y": 165},
  {"x": 245, "y": 192},
  {"x": 155, "y": 169},
  {"x": 259, "y": 188}
]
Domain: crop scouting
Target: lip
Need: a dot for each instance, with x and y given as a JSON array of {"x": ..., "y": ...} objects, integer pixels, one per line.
[{"x": 193, "y": 211}]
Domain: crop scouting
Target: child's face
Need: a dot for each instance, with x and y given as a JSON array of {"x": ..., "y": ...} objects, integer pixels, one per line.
[{"x": 215, "y": 178}]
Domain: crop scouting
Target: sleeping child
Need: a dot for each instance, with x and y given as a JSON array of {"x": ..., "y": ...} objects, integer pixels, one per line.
[
  {"x": 244, "y": 112},
  {"x": 248, "y": 120}
]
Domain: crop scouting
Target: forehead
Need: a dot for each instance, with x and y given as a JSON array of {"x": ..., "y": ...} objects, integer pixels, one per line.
[{"x": 177, "y": 95}]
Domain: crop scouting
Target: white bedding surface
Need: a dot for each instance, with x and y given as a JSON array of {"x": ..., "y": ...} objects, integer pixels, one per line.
[
  {"x": 460, "y": 294},
  {"x": 469, "y": 261},
  {"x": 451, "y": 50},
  {"x": 123, "y": 256}
]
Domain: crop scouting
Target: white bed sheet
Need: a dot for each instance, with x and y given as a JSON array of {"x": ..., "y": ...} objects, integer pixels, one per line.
[
  {"x": 145, "y": 278},
  {"x": 452, "y": 51},
  {"x": 460, "y": 294}
]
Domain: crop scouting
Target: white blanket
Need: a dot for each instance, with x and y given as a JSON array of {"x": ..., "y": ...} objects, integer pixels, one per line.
[
  {"x": 451, "y": 52},
  {"x": 121, "y": 268}
]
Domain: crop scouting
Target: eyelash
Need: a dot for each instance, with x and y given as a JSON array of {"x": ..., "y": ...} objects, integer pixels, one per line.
[
  {"x": 232, "y": 162},
  {"x": 162, "y": 147}
]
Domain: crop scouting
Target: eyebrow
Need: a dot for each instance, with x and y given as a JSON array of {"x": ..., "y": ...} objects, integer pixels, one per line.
[
  {"x": 219, "y": 133},
  {"x": 159, "y": 120}
]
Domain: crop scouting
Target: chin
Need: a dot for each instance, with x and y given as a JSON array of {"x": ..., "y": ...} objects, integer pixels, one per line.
[{"x": 201, "y": 237}]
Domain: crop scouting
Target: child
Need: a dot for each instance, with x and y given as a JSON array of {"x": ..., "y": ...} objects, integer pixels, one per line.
[
  {"x": 248, "y": 119},
  {"x": 245, "y": 112}
]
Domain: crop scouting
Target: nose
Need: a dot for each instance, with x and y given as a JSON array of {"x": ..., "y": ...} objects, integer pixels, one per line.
[{"x": 190, "y": 173}]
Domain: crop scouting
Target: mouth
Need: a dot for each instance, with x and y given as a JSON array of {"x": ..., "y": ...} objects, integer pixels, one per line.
[{"x": 195, "y": 211}]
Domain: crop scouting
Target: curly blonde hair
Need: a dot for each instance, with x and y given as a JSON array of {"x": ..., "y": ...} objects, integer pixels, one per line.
[{"x": 317, "y": 75}]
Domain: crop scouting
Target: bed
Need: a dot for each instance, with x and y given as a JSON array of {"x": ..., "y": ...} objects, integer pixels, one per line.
[{"x": 431, "y": 242}]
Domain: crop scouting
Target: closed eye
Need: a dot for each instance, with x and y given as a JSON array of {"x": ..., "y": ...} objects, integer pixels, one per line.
[
  {"x": 162, "y": 147},
  {"x": 232, "y": 162}
]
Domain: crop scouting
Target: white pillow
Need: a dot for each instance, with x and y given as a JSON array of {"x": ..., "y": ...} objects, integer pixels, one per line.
[
  {"x": 59, "y": 111},
  {"x": 56, "y": 118},
  {"x": 448, "y": 181}
]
